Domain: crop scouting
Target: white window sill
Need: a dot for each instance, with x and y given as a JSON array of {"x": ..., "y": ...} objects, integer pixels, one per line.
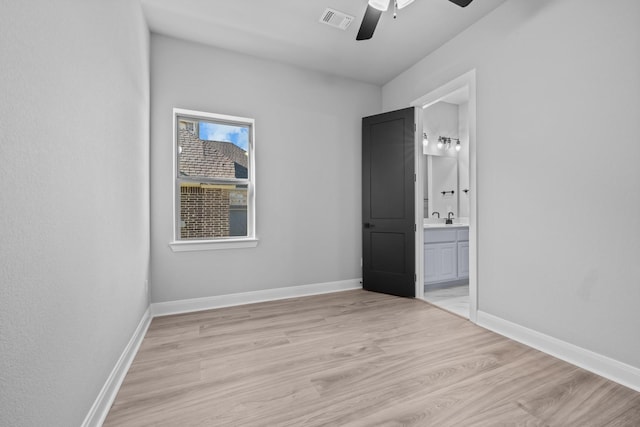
[{"x": 209, "y": 245}]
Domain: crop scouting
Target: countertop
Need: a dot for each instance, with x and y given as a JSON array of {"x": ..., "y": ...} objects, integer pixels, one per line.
[{"x": 443, "y": 225}]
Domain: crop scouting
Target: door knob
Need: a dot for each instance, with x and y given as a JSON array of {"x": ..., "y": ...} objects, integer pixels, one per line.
[{"x": 369, "y": 225}]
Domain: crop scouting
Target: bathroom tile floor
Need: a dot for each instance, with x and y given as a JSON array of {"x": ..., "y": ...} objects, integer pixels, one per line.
[{"x": 452, "y": 298}]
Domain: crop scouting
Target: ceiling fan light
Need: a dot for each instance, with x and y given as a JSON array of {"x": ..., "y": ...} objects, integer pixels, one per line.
[
  {"x": 382, "y": 5},
  {"x": 403, "y": 3}
]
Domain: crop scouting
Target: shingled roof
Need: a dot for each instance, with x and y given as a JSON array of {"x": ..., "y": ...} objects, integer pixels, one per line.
[{"x": 210, "y": 159}]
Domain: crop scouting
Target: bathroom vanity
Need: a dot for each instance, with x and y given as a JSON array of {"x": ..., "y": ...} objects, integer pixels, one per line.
[{"x": 446, "y": 253}]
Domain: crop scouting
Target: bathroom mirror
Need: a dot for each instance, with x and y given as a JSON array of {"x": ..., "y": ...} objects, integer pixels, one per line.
[
  {"x": 442, "y": 186},
  {"x": 446, "y": 167}
]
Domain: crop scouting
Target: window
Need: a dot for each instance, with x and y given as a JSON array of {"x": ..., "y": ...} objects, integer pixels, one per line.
[{"x": 214, "y": 181}]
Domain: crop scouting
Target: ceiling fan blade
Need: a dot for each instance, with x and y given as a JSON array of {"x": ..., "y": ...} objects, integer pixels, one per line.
[
  {"x": 369, "y": 23},
  {"x": 461, "y": 3}
]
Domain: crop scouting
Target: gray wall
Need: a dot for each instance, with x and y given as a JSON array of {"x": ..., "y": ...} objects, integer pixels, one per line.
[
  {"x": 556, "y": 82},
  {"x": 308, "y": 127},
  {"x": 74, "y": 201}
]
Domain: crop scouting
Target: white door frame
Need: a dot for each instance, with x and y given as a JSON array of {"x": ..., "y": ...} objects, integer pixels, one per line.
[{"x": 468, "y": 81}]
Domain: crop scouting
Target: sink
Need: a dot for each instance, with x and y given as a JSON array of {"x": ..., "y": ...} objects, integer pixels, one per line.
[
  {"x": 433, "y": 221},
  {"x": 440, "y": 222}
]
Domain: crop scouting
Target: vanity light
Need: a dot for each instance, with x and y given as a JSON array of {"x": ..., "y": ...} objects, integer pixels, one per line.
[
  {"x": 445, "y": 140},
  {"x": 425, "y": 140}
]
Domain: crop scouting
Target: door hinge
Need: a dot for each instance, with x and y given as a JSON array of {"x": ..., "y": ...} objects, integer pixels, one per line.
[
  {"x": 415, "y": 277},
  {"x": 415, "y": 178},
  {"x": 415, "y": 227}
]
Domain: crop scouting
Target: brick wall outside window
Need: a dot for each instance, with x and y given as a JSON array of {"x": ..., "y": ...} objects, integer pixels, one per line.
[{"x": 205, "y": 212}]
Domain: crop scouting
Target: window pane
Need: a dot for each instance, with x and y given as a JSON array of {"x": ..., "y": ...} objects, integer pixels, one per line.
[
  {"x": 210, "y": 211},
  {"x": 207, "y": 149}
]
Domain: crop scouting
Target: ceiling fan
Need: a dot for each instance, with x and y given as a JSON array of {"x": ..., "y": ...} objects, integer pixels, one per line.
[{"x": 374, "y": 12}]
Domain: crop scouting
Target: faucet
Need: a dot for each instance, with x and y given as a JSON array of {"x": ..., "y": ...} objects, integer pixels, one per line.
[
  {"x": 449, "y": 218},
  {"x": 435, "y": 213}
]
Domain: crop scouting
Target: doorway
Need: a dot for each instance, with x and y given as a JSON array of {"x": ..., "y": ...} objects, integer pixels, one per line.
[{"x": 450, "y": 248}]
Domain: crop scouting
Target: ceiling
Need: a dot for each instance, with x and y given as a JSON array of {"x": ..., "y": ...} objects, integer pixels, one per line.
[{"x": 289, "y": 31}]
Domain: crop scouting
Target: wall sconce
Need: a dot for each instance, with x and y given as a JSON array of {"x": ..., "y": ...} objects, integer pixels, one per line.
[{"x": 425, "y": 140}]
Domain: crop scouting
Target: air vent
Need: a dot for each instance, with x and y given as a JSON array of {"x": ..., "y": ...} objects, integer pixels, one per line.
[{"x": 336, "y": 19}]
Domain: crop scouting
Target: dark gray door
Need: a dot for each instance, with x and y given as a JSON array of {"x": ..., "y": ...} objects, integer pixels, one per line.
[{"x": 388, "y": 211}]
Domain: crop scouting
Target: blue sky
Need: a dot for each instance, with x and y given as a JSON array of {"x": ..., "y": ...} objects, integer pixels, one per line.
[{"x": 237, "y": 135}]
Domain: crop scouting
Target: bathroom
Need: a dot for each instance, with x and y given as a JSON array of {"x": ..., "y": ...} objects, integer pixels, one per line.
[{"x": 446, "y": 202}]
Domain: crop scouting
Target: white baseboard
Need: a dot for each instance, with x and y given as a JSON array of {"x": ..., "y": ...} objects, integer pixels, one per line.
[
  {"x": 100, "y": 408},
  {"x": 107, "y": 395},
  {"x": 208, "y": 303},
  {"x": 604, "y": 366}
]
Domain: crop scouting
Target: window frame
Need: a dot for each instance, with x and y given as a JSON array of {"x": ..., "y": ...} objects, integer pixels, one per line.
[{"x": 232, "y": 242}]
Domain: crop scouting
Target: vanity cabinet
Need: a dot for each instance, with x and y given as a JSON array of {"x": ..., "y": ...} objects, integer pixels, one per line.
[
  {"x": 463, "y": 260},
  {"x": 463, "y": 253},
  {"x": 440, "y": 262},
  {"x": 446, "y": 254}
]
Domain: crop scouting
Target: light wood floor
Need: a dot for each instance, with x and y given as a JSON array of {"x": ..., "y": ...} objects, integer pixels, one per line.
[{"x": 354, "y": 358}]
